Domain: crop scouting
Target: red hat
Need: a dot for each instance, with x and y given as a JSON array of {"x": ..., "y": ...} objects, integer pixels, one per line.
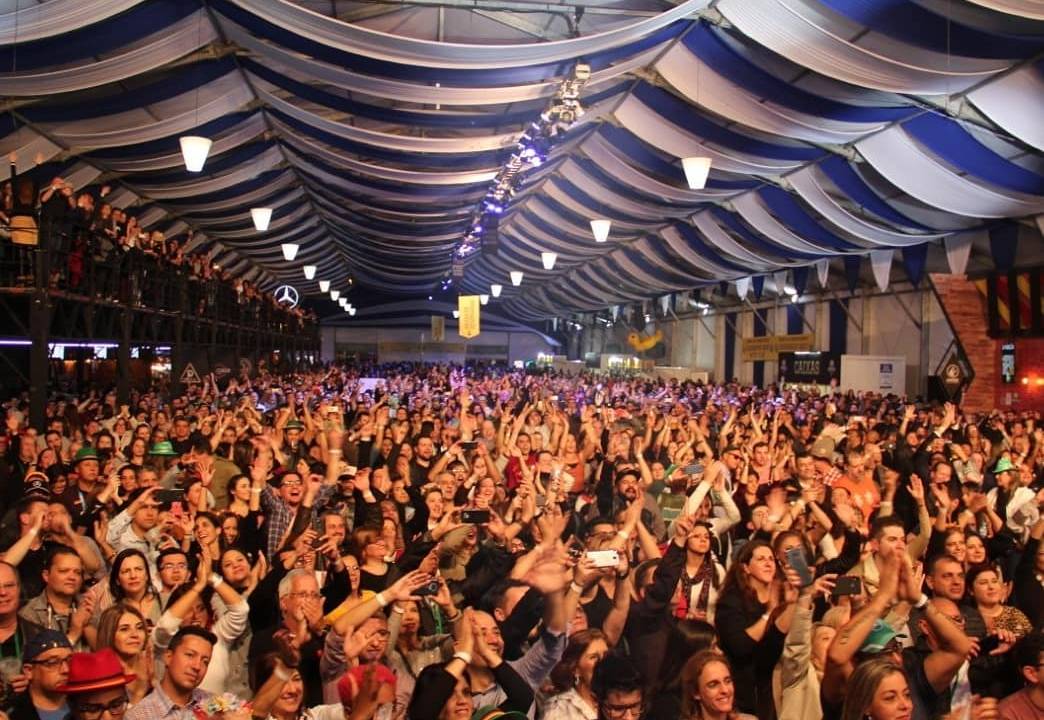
[
  {"x": 100, "y": 670},
  {"x": 349, "y": 684}
]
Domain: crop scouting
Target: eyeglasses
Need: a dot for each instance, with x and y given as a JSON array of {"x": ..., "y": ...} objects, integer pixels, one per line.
[
  {"x": 634, "y": 710},
  {"x": 305, "y": 595},
  {"x": 291, "y": 483},
  {"x": 52, "y": 663},
  {"x": 93, "y": 711},
  {"x": 174, "y": 566}
]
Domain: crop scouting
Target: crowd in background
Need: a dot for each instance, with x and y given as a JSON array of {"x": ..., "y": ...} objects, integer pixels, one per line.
[
  {"x": 453, "y": 543},
  {"x": 101, "y": 251}
]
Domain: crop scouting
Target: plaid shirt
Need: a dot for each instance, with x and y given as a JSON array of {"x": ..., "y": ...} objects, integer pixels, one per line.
[
  {"x": 157, "y": 706},
  {"x": 279, "y": 517},
  {"x": 832, "y": 476}
]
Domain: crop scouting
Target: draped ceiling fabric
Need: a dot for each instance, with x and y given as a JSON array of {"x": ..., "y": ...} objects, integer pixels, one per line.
[{"x": 841, "y": 130}]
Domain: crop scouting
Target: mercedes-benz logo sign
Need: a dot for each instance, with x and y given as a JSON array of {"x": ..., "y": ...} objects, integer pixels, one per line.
[{"x": 286, "y": 295}]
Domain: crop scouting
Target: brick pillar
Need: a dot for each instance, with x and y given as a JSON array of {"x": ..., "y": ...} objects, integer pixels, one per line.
[{"x": 965, "y": 309}]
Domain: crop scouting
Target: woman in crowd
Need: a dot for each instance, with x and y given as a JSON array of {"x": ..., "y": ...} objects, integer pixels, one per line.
[
  {"x": 571, "y": 678},
  {"x": 123, "y": 629},
  {"x": 708, "y": 692},
  {"x": 988, "y": 591}
]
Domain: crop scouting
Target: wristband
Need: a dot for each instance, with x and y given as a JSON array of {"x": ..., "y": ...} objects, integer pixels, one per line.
[
  {"x": 623, "y": 534},
  {"x": 33, "y": 532},
  {"x": 464, "y": 656},
  {"x": 397, "y": 609},
  {"x": 215, "y": 580},
  {"x": 334, "y": 451},
  {"x": 381, "y": 600},
  {"x": 280, "y": 673},
  {"x": 576, "y": 587},
  {"x": 922, "y": 601}
]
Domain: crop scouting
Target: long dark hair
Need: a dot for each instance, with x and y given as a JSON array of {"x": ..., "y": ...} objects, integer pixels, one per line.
[
  {"x": 737, "y": 581},
  {"x": 562, "y": 674},
  {"x": 114, "y": 575}
]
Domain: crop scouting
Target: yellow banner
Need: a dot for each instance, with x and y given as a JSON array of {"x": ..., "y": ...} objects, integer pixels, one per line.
[
  {"x": 468, "y": 305},
  {"x": 438, "y": 328},
  {"x": 770, "y": 346}
]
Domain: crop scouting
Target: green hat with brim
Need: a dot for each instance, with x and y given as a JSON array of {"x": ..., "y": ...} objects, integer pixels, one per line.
[
  {"x": 879, "y": 638},
  {"x": 1003, "y": 465},
  {"x": 85, "y": 453},
  {"x": 163, "y": 449},
  {"x": 295, "y": 425}
]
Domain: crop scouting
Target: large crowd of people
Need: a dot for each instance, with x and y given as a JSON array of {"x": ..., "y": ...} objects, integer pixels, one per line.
[
  {"x": 430, "y": 542},
  {"x": 101, "y": 251}
]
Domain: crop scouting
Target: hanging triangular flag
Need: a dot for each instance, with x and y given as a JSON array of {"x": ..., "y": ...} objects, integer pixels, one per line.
[
  {"x": 852, "y": 271},
  {"x": 881, "y": 264},
  {"x": 616, "y": 312},
  {"x": 915, "y": 258},
  {"x": 665, "y": 304},
  {"x": 800, "y": 279},
  {"x": 823, "y": 272},
  {"x": 779, "y": 278},
  {"x": 958, "y": 249},
  {"x": 1040, "y": 223},
  {"x": 742, "y": 285},
  {"x": 1004, "y": 242},
  {"x": 554, "y": 324},
  {"x": 759, "y": 286}
]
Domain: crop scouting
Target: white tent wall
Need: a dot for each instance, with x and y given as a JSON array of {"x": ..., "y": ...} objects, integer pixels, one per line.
[
  {"x": 878, "y": 325},
  {"x": 519, "y": 345}
]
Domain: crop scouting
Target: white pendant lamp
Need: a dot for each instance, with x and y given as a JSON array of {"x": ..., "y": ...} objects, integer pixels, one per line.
[
  {"x": 343, "y": 302},
  {"x": 334, "y": 294},
  {"x": 290, "y": 251},
  {"x": 194, "y": 151},
  {"x": 351, "y": 311},
  {"x": 516, "y": 277},
  {"x": 456, "y": 313},
  {"x": 696, "y": 171},
  {"x": 261, "y": 218},
  {"x": 309, "y": 271},
  {"x": 548, "y": 258},
  {"x": 600, "y": 229},
  {"x": 324, "y": 286},
  {"x": 495, "y": 289},
  {"x": 483, "y": 299}
]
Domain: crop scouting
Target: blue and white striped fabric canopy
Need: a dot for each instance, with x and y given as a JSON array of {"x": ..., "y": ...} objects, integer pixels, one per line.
[{"x": 837, "y": 129}]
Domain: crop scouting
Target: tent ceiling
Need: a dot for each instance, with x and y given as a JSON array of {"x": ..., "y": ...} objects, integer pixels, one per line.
[{"x": 837, "y": 128}]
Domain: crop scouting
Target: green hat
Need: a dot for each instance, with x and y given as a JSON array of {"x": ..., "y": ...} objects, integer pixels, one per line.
[
  {"x": 1003, "y": 465},
  {"x": 162, "y": 448},
  {"x": 294, "y": 425},
  {"x": 85, "y": 453},
  {"x": 880, "y": 636}
]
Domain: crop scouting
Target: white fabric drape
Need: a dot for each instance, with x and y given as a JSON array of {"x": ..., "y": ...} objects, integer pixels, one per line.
[
  {"x": 29, "y": 146},
  {"x": 958, "y": 250},
  {"x": 717, "y": 237},
  {"x": 360, "y": 40},
  {"x": 1016, "y": 102},
  {"x": 881, "y": 264},
  {"x": 752, "y": 210},
  {"x": 143, "y": 55},
  {"x": 677, "y": 243},
  {"x": 232, "y": 138},
  {"x": 809, "y": 34},
  {"x": 267, "y": 160},
  {"x": 902, "y": 162},
  {"x": 46, "y": 19},
  {"x": 1032, "y": 9},
  {"x": 659, "y": 132}
]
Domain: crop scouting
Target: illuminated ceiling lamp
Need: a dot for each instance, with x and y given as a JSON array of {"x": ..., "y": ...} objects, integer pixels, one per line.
[
  {"x": 290, "y": 251},
  {"x": 495, "y": 289},
  {"x": 343, "y": 302},
  {"x": 600, "y": 229},
  {"x": 516, "y": 277},
  {"x": 309, "y": 271},
  {"x": 261, "y": 218},
  {"x": 456, "y": 313},
  {"x": 324, "y": 286},
  {"x": 696, "y": 171},
  {"x": 548, "y": 258},
  {"x": 334, "y": 294},
  {"x": 351, "y": 311},
  {"x": 194, "y": 151},
  {"x": 483, "y": 299}
]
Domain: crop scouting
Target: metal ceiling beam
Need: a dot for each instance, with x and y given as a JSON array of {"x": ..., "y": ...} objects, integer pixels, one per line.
[
  {"x": 527, "y": 7},
  {"x": 520, "y": 23}
]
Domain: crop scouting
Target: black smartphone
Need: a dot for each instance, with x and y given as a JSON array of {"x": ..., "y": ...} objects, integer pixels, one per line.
[
  {"x": 167, "y": 497},
  {"x": 988, "y": 644},
  {"x": 468, "y": 444},
  {"x": 848, "y": 585},
  {"x": 796, "y": 559},
  {"x": 474, "y": 517},
  {"x": 429, "y": 588},
  {"x": 694, "y": 469}
]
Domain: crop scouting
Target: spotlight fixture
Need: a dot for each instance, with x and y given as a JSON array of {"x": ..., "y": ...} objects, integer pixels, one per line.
[
  {"x": 194, "y": 151},
  {"x": 495, "y": 290},
  {"x": 600, "y": 229},
  {"x": 309, "y": 271},
  {"x": 324, "y": 286},
  {"x": 290, "y": 251},
  {"x": 548, "y": 258},
  {"x": 696, "y": 171},
  {"x": 516, "y": 277},
  {"x": 261, "y": 218}
]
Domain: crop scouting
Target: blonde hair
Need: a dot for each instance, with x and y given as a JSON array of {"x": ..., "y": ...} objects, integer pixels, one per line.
[
  {"x": 690, "y": 681},
  {"x": 868, "y": 676}
]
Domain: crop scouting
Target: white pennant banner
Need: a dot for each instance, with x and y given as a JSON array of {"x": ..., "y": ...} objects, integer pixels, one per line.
[
  {"x": 823, "y": 272},
  {"x": 616, "y": 312},
  {"x": 780, "y": 279},
  {"x": 665, "y": 304},
  {"x": 958, "y": 249},
  {"x": 742, "y": 285},
  {"x": 881, "y": 263}
]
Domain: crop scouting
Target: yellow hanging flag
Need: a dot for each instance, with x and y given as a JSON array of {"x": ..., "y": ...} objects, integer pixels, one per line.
[
  {"x": 468, "y": 305},
  {"x": 438, "y": 328}
]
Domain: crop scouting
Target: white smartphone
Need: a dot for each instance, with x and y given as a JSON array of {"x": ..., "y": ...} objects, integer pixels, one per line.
[{"x": 604, "y": 558}]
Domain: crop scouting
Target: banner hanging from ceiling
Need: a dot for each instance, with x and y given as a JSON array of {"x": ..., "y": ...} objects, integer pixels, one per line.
[{"x": 468, "y": 305}]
